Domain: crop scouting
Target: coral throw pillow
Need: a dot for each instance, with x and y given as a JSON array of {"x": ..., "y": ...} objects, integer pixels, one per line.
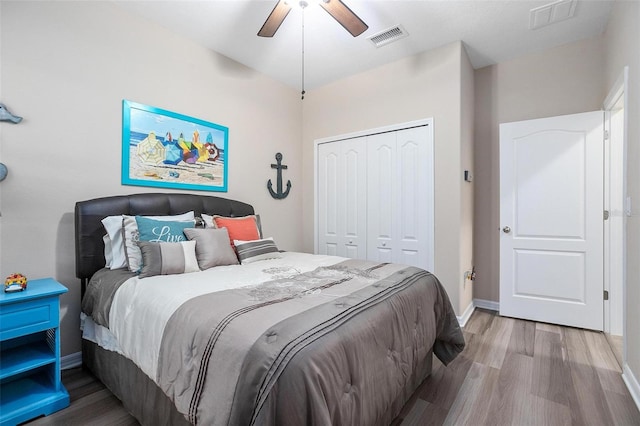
[{"x": 239, "y": 228}]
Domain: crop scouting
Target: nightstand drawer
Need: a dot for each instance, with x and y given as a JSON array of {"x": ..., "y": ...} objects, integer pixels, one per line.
[{"x": 18, "y": 319}]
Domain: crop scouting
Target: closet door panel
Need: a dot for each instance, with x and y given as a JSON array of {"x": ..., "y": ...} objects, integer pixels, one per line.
[
  {"x": 352, "y": 189},
  {"x": 415, "y": 193},
  {"x": 328, "y": 203},
  {"x": 381, "y": 197}
]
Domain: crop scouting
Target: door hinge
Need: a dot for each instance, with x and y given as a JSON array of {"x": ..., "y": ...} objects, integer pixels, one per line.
[
  {"x": 606, "y": 295},
  {"x": 606, "y": 215},
  {"x": 606, "y": 135}
]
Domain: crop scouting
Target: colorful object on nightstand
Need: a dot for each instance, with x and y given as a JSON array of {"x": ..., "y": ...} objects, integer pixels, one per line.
[{"x": 15, "y": 282}]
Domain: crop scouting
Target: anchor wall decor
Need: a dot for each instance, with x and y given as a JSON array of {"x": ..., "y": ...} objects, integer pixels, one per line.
[{"x": 279, "y": 195}]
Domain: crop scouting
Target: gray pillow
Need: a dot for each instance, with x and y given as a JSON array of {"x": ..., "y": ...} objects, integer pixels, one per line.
[
  {"x": 212, "y": 247},
  {"x": 167, "y": 258}
]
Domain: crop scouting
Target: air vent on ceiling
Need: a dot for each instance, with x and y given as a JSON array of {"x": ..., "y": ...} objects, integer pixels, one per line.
[
  {"x": 551, "y": 13},
  {"x": 388, "y": 36}
]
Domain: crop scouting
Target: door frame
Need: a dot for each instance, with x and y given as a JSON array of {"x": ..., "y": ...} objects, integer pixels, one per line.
[
  {"x": 391, "y": 128},
  {"x": 618, "y": 90}
]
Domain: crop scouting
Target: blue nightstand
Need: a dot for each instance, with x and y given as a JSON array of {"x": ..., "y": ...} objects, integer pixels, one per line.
[{"x": 30, "y": 383}]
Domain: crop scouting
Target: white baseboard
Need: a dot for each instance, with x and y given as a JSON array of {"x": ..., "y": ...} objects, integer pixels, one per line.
[
  {"x": 632, "y": 384},
  {"x": 462, "y": 320},
  {"x": 71, "y": 361},
  {"x": 487, "y": 304}
]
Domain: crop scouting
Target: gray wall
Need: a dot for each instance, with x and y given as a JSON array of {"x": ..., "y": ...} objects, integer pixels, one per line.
[
  {"x": 66, "y": 67},
  {"x": 564, "y": 80}
]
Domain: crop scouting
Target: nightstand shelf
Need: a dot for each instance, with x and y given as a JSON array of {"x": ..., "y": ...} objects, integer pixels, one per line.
[
  {"x": 24, "y": 358},
  {"x": 30, "y": 397},
  {"x": 30, "y": 383}
]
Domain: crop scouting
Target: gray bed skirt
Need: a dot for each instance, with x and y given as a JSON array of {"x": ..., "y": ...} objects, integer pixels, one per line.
[
  {"x": 139, "y": 394},
  {"x": 144, "y": 400}
]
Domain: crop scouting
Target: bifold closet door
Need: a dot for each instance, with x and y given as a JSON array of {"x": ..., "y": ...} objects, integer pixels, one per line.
[
  {"x": 342, "y": 187},
  {"x": 400, "y": 197}
]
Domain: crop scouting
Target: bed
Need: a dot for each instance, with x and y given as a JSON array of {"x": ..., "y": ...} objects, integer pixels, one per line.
[{"x": 290, "y": 339}]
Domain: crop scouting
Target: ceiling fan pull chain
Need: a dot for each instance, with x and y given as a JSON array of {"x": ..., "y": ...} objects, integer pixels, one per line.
[{"x": 303, "y": 53}]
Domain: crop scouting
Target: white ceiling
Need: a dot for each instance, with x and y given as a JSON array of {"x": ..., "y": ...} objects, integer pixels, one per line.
[{"x": 492, "y": 30}]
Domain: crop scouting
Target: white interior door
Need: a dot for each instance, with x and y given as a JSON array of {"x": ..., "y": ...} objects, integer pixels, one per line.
[
  {"x": 551, "y": 219},
  {"x": 374, "y": 194}
]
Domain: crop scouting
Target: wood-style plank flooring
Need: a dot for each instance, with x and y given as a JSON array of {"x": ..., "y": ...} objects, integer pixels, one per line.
[
  {"x": 512, "y": 372},
  {"x": 516, "y": 372}
]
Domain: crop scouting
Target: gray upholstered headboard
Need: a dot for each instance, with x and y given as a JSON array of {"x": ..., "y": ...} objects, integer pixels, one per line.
[{"x": 89, "y": 214}]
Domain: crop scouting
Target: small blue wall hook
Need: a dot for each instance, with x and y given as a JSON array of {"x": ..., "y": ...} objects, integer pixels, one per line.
[{"x": 5, "y": 115}]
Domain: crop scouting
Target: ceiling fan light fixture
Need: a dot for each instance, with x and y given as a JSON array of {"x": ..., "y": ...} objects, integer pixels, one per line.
[
  {"x": 301, "y": 4},
  {"x": 336, "y": 8}
]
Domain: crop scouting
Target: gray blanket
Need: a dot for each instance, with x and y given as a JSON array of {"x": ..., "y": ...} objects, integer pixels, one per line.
[
  {"x": 100, "y": 291},
  {"x": 345, "y": 344}
]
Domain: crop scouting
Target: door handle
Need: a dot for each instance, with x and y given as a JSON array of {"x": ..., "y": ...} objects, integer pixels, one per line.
[{"x": 506, "y": 229}]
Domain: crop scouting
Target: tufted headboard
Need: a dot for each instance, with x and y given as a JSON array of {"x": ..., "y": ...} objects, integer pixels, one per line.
[{"x": 89, "y": 214}]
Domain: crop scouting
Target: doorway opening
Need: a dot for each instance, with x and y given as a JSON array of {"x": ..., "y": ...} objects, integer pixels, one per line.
[{"x": 617, "y": 206}]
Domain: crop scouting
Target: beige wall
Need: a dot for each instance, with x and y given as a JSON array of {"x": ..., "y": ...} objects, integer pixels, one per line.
[
  {"x": 622, "y": 48},
  {"x": 467, "y": 191},
  {"x": 564, "y": 80},
  {"x": 421, "y": 86},
  {"x": 66, "y": 66}
]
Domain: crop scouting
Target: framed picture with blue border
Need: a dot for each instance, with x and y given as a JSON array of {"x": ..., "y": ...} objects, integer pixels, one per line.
[{"x": 169, "y": 150}]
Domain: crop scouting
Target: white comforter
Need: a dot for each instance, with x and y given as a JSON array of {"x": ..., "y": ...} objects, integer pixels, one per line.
[{"x": 142, "y": 307}]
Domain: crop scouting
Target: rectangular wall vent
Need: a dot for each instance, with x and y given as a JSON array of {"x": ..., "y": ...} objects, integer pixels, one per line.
[
  {"x": 551, "y": 13},
  {"x": 388, "y": 36}
]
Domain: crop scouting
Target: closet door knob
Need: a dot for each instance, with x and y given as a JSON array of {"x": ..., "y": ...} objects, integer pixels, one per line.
[{"x": 506, "y": 229}]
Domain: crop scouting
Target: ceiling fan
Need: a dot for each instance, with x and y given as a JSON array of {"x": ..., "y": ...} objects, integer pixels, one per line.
[{"x": 338, "y": 10}]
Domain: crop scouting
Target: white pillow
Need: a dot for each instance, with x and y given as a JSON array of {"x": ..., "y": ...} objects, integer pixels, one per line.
[
  {"x": 115, "y": 230},
  {"x": 113, "y": 226},
  {"x": 108, "y": 255}
]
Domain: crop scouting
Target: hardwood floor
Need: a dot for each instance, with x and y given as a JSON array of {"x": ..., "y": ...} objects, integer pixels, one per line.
[
  {"x": 616, "y": 343},
  {"x": 516, "y": 372},
  {"x": 512, "y": 372}
]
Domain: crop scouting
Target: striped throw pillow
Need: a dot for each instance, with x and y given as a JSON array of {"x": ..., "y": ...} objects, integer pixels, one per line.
[
  {"x": 168, "y": 258},
  {"x": 252, "y": 251}
]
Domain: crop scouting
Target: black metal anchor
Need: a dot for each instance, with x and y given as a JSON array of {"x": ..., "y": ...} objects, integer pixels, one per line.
[{"x": 279, "y": 167}]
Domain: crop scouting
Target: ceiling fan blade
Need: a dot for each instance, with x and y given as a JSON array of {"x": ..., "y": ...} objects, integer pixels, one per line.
[
  {"x": 273, "y": 22},
  {"x": 345, "y": 16}
]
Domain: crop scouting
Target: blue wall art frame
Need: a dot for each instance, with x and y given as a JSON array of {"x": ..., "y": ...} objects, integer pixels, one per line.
[{"x": 164, "y": 149}]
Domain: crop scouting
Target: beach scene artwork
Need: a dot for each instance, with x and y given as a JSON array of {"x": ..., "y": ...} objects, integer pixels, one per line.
[{"x": 165, "y": 149}]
